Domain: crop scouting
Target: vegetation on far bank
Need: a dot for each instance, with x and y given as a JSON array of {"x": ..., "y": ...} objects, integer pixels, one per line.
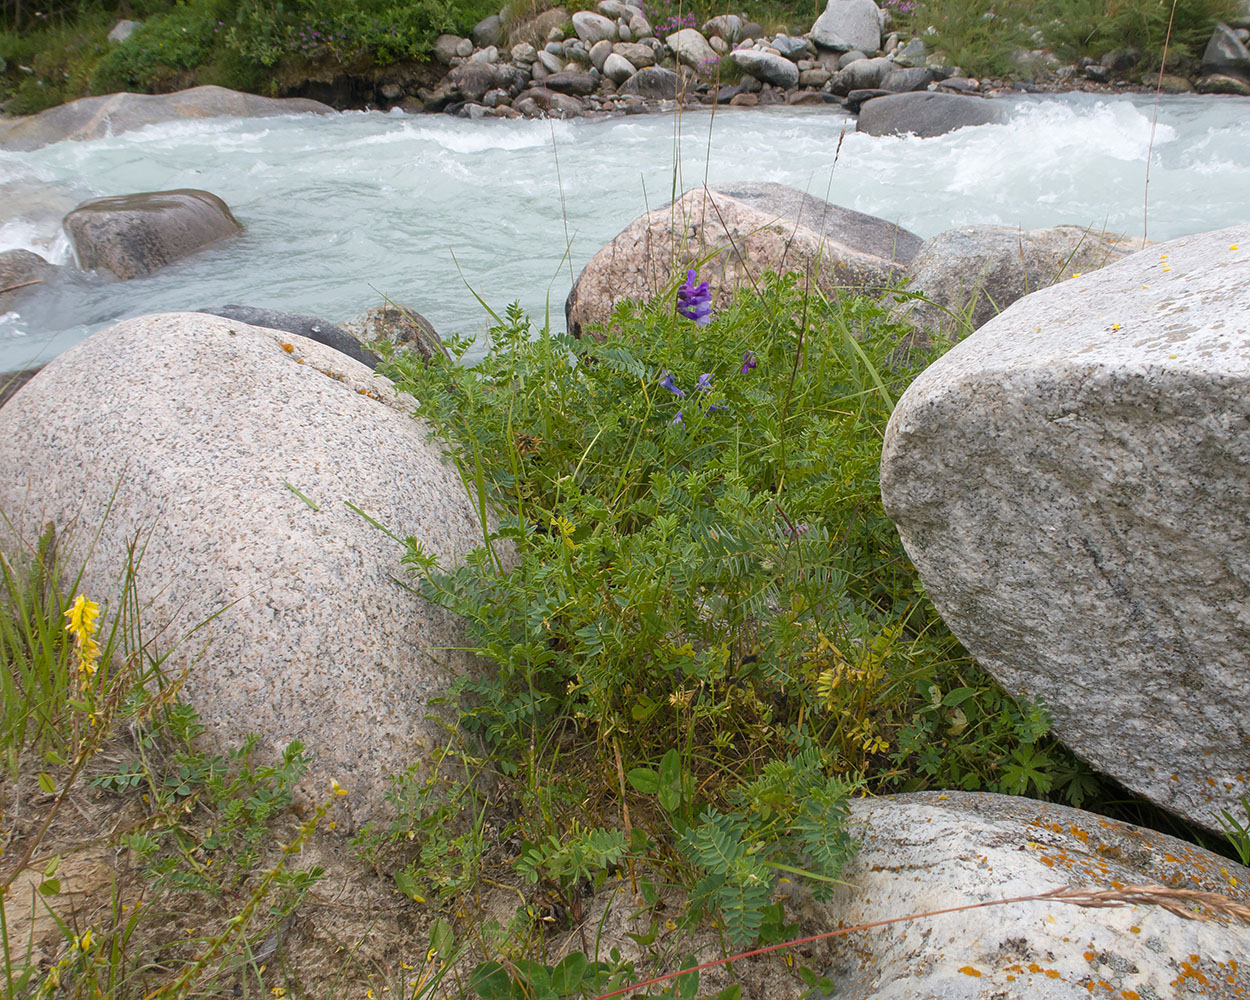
[
  {"x": 59, "y": 51},
  {"x": 708, "y": 636}
]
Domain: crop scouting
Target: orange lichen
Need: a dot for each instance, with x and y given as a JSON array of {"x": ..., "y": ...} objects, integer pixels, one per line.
[
  {"x": 968, "y": 970},
  {"x": 289, "y": 348}
]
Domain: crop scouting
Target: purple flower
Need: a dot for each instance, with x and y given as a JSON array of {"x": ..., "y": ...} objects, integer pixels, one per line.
[
  {"x": 748, "y": 362},
  {"x": 677, "y": 419},
  {"x": 695, "y": 301},
  {"x": 705, "y": 382},
  {"x": 668, "y": 383}
]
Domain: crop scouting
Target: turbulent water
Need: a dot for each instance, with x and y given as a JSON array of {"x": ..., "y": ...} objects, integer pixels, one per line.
[{"x": 429, "y": 210}]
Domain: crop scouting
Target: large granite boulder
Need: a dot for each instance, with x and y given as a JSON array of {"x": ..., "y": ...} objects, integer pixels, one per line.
[
  {"x": 733, "y": 234},
  {"x": 926, "y": 114},
  {"x": 11, "y": 382},
  {"x": 96, "y": 117},
  {"x": 1071, "y": 481},
  {"x": 231, "y": 453},
  {"x": 691, "y": 49},
  {"x": 967, "y": 275},
  {"x": 312, "y": 327},
  {"x": 136, "y": 234},
  {"x": 848, "y": 25},
  {"x": 940, "y": 850},
  {"x": 591, "y": 27}
]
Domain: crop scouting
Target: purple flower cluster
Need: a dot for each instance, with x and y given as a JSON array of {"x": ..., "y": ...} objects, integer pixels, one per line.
[
  {"x": 695, "y": 301},
  {"x": 704, "y": 386}
]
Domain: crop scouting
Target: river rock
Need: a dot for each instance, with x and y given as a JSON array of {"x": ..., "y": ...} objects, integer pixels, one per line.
[
  {"x": 553, "y": 64},
  {"x": 599, "y": 53},
  {"x": 901, "y": 81},
  {"x": 848, "y": 24},
  {"x": 136, "y": 234},
  {"x": 539, "y": 102},
  {"x": 508, "y": 77},
  {"x": 926, "y": 114},
  {"x": 488, "y": 31},
  {"x": 726, "y": 26},
  {"x": 197, "y": 432},
  {"x": 617, "y": 9},
  {"x": 618, "y": 69},
  {"x": 405, "y": 328},
  {"x": 975, "y": 272},
  {"x": 571, "y": 81},
  {"x": 793, "y": 49},
  {"x": 1226, "y": 54},
  {"x": 311, "y": 327},
  {"x": 733, "y": 235},
  {"x": 20, "y": 272},
  {"x": 96, "y": 117},
  {"x": 937, "y": 850},
  {"x": 537, "y": 29},
  {"x": 860, "y": 74},
  {"x": 654, "y": 82},
  {"x": 774, "y": 69},
  {"x": 636, "y": 53},
  {"x": 1071, "y": 483},
  {"x": 1222, "y": 83},
  {"x": 640, "y": 27},
  {"x": 691, "y": 48},
  {"x": 593, "y": 28},
  {"x": 445, "y": 48}
]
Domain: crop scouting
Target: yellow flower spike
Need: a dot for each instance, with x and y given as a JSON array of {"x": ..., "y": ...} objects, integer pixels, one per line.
[
  {"x": 84, "y": 943},
  {"x": 336, "y": 788},
  {"x": 82, "y": 616}
]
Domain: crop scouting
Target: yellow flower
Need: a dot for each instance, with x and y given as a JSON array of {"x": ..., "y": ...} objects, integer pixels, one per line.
[
  {"x": 84, "y": 943},
  {"x": 336, "y": 788},
  {"x": 82, "y": 617},
  {"x": 1234, "y": 246}
]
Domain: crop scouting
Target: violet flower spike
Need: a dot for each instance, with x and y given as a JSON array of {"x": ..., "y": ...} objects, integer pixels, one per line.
[
  {"x": 677, "y": 419},
  {"x": 705, "y": 382},
  {"x": 668, "y": 383},
  {"x": 748, "y": 362},
  {"x": 695, "y": 301}
]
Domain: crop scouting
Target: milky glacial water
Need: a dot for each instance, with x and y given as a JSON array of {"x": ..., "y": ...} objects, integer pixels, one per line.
[{"x": 342, "y": 210}]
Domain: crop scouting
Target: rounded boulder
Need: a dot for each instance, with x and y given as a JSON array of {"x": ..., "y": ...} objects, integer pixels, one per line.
[
  {"x": 136, "y": 234},
  {"x": 246, "y": 461}
]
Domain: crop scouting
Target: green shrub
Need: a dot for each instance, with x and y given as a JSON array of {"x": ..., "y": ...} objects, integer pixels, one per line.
[{"x": 179, "y": 40}]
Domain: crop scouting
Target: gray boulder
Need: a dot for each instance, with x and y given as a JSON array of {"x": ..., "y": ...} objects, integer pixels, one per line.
[
  {"x": 571, "y": 81},
  {"x": 794, "y": 49},
  {"x": 926, "y": 114},
  {"x": 1222, "y": 83},
  {"x": 233, "y": 452},
  {"x": 312, "y": 327},
  {"x": 599, "y": 53},
  {"x": 468, "y": 82},
  {"x": 96, "y": 117},
  {"x": 488, "y": 31},
  {"x": 901, "y": 81},
  {"x": 968, "y": 275},
  {"x": 20, "y": 272},
  {"x": 136, "y": 234},
  {"x": 654, "y": 82},
  {"x": 445, "y": 48},
  {"x": 618, "y": 69},
  {"x": 691, "y": 49},
  {"x": 940, "y": 850},
  {"x": 726, "y": 26},
  {"x": 1226, "y": 54},
  {"x": 593, "y": 28},
  {"x": 405, "y": 328},
  {"x": 539, "y": 102},
  {"x": 774, "y": 69},
  {"x": 848, "y": 24},
  {"x": 733, "y": 234},
  {"x": 636, "y": 53},
  {"x": 1070, "y": 482},
  {"x": 861, "y": 74}
]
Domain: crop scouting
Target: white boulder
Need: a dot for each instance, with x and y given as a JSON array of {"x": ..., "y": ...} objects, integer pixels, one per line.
[
  {"x": 1073, "y": 483},
  {"x": 941, "y": 850},
  {"x": 848, "y": 24},
  {"x": 231, "y": 453}
]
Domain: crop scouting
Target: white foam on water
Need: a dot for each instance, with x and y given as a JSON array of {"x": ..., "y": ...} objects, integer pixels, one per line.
[{"x": 336, "y": 206}]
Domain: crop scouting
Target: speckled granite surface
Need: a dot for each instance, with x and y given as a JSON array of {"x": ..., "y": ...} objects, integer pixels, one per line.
[
  {"x": 199, "y": 423},
  {"x": 937, "y": 850}
]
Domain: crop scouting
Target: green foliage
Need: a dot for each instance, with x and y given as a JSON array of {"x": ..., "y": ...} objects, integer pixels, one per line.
[
  {"x": 706, "y": 583},
  {"x": 178, "y": 40},
  {"x": 1238, "y": 833}
]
